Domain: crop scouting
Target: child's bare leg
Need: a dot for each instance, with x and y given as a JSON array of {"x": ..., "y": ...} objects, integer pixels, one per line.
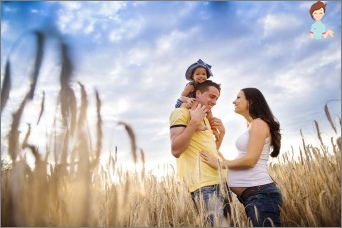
[
  {"x": 210, "y": 117},
  {"x": 201, "y": 127},
  {"x": 184, "y": 105}
]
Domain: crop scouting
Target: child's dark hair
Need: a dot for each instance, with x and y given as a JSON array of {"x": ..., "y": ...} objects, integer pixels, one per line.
[{"x": 193, "y": 71}]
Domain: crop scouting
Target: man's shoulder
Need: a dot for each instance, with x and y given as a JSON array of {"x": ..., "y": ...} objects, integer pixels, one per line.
[{"x": 179, "y": 112}]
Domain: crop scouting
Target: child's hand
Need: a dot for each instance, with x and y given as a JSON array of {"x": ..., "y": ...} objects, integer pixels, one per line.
[{"x": 189, "y": 102}]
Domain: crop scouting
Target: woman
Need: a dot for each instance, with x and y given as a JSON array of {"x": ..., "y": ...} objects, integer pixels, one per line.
[{"x": 249, "y": 178}]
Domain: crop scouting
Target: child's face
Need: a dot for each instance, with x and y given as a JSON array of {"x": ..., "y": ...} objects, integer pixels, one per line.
[
  {"x": 318, "y": 14},
  {"x": 200, "y": 75}
]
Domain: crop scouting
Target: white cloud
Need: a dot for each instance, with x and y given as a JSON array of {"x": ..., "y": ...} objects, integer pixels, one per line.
[
  {"x": 127, "y": 30},
  {"x": 75, "y": 17},
  {"x": 136, "y": 53},
  {"x": 166, "y": 42},
  {"x": 122, "y": 106},
  {"x": 276, "y": 24},
  {"x": 71, "y": 5},
  {"x": 4, "y": 26}
]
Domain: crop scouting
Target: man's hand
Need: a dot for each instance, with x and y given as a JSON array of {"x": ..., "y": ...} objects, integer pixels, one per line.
[{"x": 198, "y": 114}]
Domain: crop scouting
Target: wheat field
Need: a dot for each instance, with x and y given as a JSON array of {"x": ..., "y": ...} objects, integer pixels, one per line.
[{"x": 78, "y": 190}]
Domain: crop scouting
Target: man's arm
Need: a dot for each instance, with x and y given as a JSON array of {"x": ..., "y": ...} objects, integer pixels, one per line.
[
  {"x": 180, "y": 136},
  {"x": 258, "y": 133}
]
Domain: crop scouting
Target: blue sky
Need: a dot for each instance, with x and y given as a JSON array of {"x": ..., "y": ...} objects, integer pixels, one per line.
[{"x": 136, "y": 54}]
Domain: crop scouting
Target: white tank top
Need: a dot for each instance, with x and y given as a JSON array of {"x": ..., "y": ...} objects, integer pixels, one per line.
[{"x": 258, "y": 175}]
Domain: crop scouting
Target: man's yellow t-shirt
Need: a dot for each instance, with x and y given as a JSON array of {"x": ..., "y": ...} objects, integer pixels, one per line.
[{"x": 191, "y": 169}]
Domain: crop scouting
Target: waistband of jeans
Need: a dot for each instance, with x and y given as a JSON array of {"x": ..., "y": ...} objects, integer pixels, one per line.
[
  {"x": 251, "y": 191},
  {"x": 200, "y": 189}
]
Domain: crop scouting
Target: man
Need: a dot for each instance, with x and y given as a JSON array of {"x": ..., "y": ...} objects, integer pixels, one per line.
[{"x": 202, "y": 181}]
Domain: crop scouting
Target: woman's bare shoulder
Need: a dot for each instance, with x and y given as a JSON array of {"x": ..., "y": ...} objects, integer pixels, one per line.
[{"x": 260, "y": 126}]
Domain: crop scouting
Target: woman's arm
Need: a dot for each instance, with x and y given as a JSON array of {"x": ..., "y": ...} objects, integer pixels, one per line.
[
  {"x": 213, "y": 161},
  {"x": 258, "y": 132}
]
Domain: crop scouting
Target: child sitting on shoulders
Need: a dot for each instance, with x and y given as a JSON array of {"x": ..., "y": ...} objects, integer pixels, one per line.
[{"x": 196, "y": 73}]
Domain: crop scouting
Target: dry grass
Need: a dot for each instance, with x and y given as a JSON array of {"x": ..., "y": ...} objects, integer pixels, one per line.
[{"x": 76, "y": 190}]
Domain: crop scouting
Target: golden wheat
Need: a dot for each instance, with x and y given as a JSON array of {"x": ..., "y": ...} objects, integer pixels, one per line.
[{"x": 87, "y": 196}]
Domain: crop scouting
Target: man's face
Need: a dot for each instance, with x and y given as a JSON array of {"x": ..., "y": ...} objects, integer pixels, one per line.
[{"x": 209, "y": 97}]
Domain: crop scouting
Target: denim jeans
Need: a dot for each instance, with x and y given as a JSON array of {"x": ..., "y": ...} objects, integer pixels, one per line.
[
  {"x": 267, "y": 202},
  {"x": 216, "y": 205}
]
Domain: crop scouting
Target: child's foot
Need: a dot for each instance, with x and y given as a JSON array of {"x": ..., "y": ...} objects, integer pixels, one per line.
[{"x": 201, "y": 127}]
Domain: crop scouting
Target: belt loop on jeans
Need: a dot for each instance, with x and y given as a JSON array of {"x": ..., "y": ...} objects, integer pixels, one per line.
[{"x": 251, "y": 191}]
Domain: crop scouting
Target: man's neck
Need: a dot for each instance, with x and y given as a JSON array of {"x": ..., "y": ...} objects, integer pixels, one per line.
[{"x": 194, "y": 105}]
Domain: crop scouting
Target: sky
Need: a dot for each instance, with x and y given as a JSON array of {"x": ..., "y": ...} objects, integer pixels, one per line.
[{"x": 135, "y": 55}]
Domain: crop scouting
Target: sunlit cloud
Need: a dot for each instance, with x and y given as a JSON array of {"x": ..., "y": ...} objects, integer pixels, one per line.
[{"x": 135, "y": 55}]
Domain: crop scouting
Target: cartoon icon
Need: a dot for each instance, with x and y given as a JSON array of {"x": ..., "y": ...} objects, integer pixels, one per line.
[{"x": 318, "y": 30}]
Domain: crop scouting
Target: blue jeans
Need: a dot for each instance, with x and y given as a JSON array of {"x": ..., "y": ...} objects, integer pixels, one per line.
[
  {"x": 216, "y": 205},
  {"x": 267, "y": 202}
]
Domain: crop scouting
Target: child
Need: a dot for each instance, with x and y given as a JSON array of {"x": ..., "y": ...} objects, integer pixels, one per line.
[{"x": 196, "y": 73}]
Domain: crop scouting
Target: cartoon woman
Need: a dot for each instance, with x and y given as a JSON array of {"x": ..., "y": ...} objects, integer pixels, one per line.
[{"x": 317, "y": 12}]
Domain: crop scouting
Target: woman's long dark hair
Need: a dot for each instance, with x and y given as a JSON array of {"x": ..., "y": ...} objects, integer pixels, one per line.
[{"x": 258, "y": 108}]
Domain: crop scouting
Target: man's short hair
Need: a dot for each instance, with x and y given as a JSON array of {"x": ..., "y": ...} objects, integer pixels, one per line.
[{"x": 204, "y": 86}]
